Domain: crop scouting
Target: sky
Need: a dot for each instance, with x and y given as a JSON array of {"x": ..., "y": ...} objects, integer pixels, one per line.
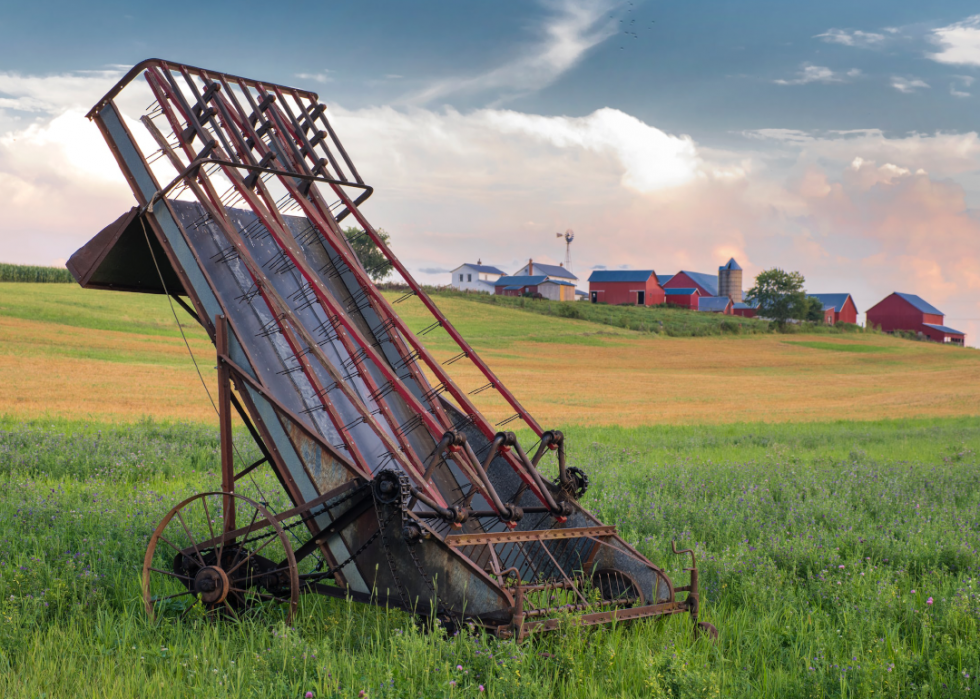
[{"x": 837, "y": 139}]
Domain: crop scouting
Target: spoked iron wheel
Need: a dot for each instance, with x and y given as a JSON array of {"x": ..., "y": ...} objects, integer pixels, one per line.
[{"x": 219, "y": 555}]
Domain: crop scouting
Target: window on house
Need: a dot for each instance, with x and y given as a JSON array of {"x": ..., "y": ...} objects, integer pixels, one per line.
[
  {"x": 461, "y": 277},
  {"x": 469, "y": 277}
]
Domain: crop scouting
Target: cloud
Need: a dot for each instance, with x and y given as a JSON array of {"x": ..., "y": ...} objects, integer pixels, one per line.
[
  {"x": 908, "y": 85},
  {"x": 856, "y": 38},
  {"x": 573, "y": 28},
  {"x": 322, "y": 77},
  {"x": 959, "y": 42},
  {"x": 809, "y": 73},
  {"x": 855, "y": 211},
  {"x": 54, "y": 93},
  {"x": 942, "y": 154},
  {"x": 957, "y": 93}
]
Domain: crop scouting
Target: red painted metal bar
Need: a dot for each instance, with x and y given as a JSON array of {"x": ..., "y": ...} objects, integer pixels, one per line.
[
  {"x": 279, "y": 309},
  {"x": 324, "y": 221}
]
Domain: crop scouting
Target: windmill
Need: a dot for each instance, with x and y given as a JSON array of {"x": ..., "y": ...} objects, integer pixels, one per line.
[{"x": 569, "y": 236}]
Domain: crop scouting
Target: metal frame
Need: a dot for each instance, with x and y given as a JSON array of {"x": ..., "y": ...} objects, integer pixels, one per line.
[{"x": 398, "y": 483}]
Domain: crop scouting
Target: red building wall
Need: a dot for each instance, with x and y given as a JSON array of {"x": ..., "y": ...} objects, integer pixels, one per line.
[
  {"x": 895, "y": 313},
  {"x": 615, "y": 293},
  {"x": 745, "y": 312},
  {"x": 682, "y": 281},
  {"x": 501, "y": 291},
  {"x": 848, "y": 313},
  {"x": 688, "y": 301}
]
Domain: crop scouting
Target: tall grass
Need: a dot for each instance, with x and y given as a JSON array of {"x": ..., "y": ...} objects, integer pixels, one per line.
[
  {"x": 836, "y": 559},
  {"x": 32, "y": 273}
]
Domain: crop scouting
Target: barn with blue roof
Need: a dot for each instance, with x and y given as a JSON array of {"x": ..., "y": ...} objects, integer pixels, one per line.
[
  {"x": 706, "y": 284},
  {"x": 839, "y": 308},
  {"x": 625, "y": 286},
  {"x": 912, "y": 313}
]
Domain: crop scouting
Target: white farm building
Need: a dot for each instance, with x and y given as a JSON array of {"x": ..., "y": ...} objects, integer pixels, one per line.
[{"x": 476, "y": 277}]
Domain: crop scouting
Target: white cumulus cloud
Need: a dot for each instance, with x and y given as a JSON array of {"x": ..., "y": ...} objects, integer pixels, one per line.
[
  {"x": 959, "y": 42},
  {"x": 856, "y": 38}
]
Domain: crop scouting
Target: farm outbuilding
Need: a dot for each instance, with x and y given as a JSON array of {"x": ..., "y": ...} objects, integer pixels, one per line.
[
  {"x": 475, "y": 277},
  {"x": 558, "y": 271},
  {"x": 841, "y": 307},
  {"x": 730, "y": 281},
  {"x": 616, "y": 287},
  {"x": 716, "y": 304},
  {"x": 537, "y": 286},
  {"x": 745, "y": 310},
  {"x": 909, "y": 312},
  {"x": 685, "y": 298},
  {"x": 706, "y": 284}
]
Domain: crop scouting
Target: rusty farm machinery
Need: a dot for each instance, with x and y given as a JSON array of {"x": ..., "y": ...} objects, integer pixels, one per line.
[{"x": 402, "y": 492}]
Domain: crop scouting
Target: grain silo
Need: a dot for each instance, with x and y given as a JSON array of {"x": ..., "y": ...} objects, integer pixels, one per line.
[{"x": 730, "y": 281}]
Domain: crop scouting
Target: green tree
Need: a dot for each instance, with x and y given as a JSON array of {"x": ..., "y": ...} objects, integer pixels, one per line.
[
  {"x": 377, "y": 265},
  {"x": 780, "y": 295},
  {"x": 814, "y": 310}
]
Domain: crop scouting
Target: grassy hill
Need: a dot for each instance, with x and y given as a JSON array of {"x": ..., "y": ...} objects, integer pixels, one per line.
[{"x": 65, "y": 351}]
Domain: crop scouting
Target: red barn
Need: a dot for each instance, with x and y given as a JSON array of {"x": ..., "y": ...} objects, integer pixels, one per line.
[
  {"x": 685, "y": 298},
  {"x": 909, "y": 312},
  {"x": 746, "y": 310},
  {"x": 706, "y": 284},
  {"x": 842, "y": 306},
  {"x": 716, "y": 304},
  {"x": 639, "y": 287}
]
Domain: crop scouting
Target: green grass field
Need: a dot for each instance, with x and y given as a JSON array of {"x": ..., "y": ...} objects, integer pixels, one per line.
[
  {"x": 838, "y": 556},
  {"x": 837, "y": 559}
]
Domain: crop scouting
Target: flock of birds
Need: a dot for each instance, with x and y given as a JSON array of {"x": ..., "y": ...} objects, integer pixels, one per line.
[{"x": 629, "y": 28}]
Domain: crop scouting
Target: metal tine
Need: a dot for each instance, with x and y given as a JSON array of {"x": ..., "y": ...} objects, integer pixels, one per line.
[
  {"x": 309, "y": 300},
  {"x": 382, "y": 391},
  {"x": 272, "y": 327},
  {"x": 355, "y": 359},
  {"x": 409, "y": 295},
  {"x": 354, "y": 423},
  {"x": 226, "y": 255},
  {"x": 385, "y": 459},
  {"x": 356, "y": 299},
  {"x": 426, "y": 331},
  {"x": 326, "y": 389},
  {"x": 481, "y": 389},
  {"x": 453, "y": 360},
  {"x": 308, "y": 235},
  {"x": 463, "y": 421},
  {"x": 201, "y": 221},
  {"x": 433, "y": 393},
  {"x": 410, "y": 357},
  {"x": 515, "y": 416},
  {"x": 290, "y": 370},
  {"x": 410, "y": 425},
  {"x": 249, "y": 294}
]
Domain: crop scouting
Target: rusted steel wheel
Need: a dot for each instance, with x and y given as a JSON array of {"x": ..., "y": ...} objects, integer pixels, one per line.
[{"x": 196, "y": 565}]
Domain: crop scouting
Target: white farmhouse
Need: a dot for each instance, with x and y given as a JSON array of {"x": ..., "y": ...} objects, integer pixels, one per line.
[{"x": 478, "y": 277}]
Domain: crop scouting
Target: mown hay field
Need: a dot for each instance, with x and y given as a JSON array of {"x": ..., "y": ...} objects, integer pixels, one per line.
[{"x": 68, "y": 352}]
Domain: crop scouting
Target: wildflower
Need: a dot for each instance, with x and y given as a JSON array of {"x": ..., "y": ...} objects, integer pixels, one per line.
[
  {"x": 452, "y": 683},
  {"x": 841, "y": 567},
  {"x": 929, "y": 601},
  {"x": 913, "y": 592},
  {"x": 459, "y": 667},
  {"x": 481, "y": 688},
  {"x": 309, "y": 695}
]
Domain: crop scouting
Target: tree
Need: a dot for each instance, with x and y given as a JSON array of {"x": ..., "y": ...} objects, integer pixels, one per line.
[
  {"x": 814, "y": 310},
  {"x": 780, "y": 295},
  {"x": 377, "y": 265}
]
